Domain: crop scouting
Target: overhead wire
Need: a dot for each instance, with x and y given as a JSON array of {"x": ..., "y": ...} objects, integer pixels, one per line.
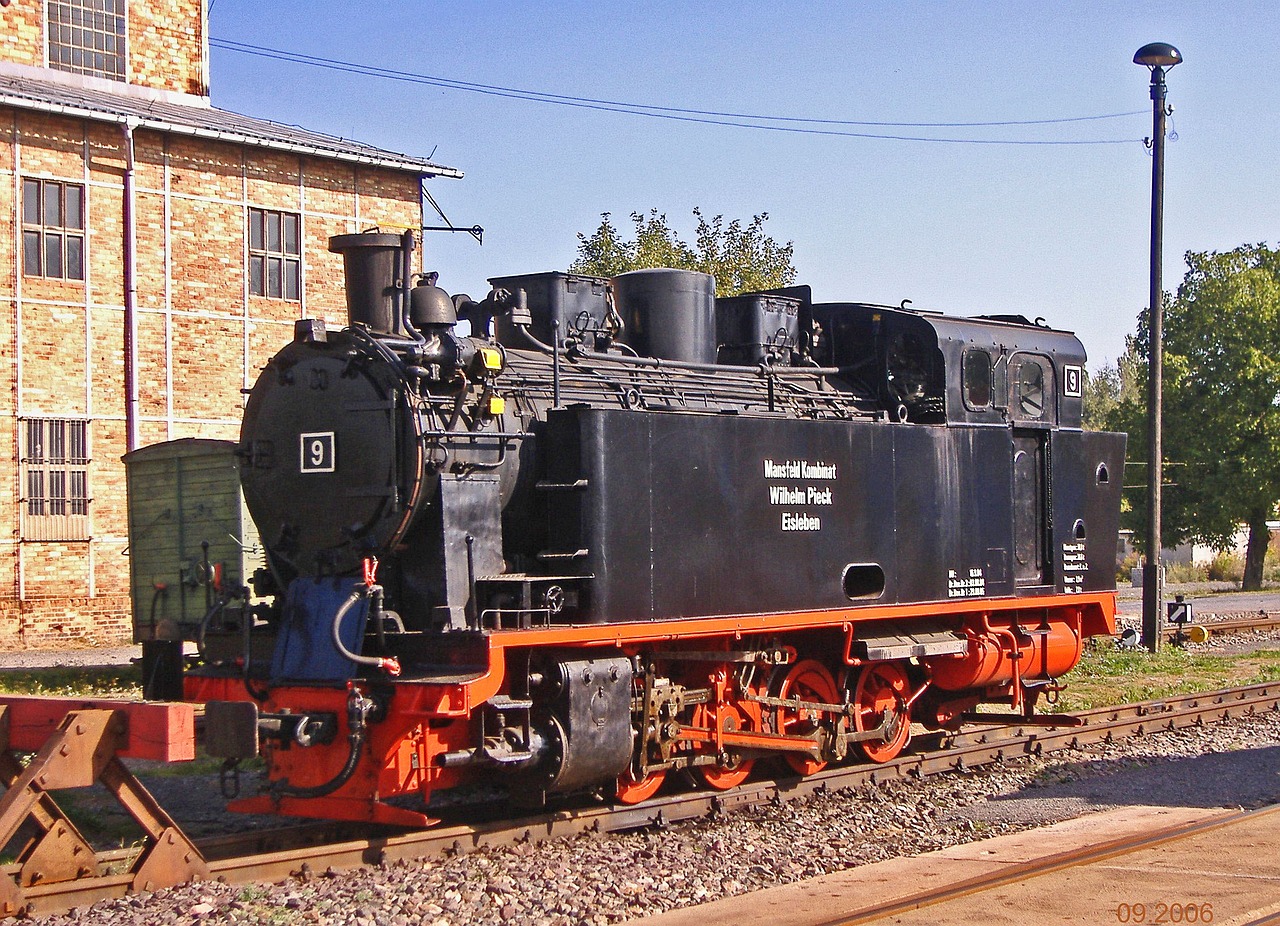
[{"x": 788, "y": 124}]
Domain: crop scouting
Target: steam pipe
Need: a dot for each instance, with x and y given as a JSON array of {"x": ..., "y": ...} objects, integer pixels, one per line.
[
  {"x": 688, "y": 364},
  {"x": 390, "y": 665},
  {"x": 1015, "y": 656},
  {"x": 405, "y": 273},
  {"x": 357, "y": 722},
  {"x": 424, "y": 349}
]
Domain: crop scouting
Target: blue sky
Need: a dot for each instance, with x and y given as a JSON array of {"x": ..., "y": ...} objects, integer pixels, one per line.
[{"x": 1053, "y": 231}]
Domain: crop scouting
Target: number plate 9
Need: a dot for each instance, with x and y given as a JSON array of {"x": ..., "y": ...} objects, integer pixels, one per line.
[{"x": 317, "y": 452}]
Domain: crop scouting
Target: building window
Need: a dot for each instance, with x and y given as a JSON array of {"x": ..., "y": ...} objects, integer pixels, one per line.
[
  {"x": 275, "y": 266},
  {"x": 87, "y": 37},
  {"x": 55, "y": 464},
  {"x": 53, "y": 229}
]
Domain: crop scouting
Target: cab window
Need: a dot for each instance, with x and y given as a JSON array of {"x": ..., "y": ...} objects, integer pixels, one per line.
[
  {"x": 1032, "y": 388},
  {"x": 977, "y": 379}
]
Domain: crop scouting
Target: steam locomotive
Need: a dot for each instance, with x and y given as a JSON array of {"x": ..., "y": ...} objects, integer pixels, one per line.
[{"x": 623, "y": 528}]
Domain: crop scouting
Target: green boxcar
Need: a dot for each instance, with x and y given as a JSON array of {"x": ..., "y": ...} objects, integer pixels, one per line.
[{"x": 182, "y": 495}]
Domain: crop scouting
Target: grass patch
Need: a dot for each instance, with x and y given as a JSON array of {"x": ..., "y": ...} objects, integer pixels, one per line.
[
  {"x": 202, "y": 764},
  {"x": 99, "y": 818},
  {"x": 74, "y": 682},
  {"x": 1110, "y": 675}
]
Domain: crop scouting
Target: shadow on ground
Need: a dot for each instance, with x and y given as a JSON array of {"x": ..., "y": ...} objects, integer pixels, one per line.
[{"x": 1241, "y": 778}]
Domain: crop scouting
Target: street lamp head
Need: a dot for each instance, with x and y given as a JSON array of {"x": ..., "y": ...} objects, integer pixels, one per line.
[{"x": 1157, "y": 55}]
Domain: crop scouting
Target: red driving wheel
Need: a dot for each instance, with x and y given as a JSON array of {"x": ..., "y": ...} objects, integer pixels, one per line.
[
  {"x": 631, "y": 791},
  {"x": 881, "y": 694},
  {"x": 735, "y": 772},
  {"x": 810, "y": 680}
]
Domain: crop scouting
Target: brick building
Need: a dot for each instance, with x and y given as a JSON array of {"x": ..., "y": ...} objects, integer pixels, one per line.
[{"x": 133, "y": 205}]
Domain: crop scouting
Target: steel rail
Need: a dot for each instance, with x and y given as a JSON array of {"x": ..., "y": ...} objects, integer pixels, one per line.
[
  {"x": 1062, "y": 861},
  {"x": 284, "y": 852},
  {"x": 1265, "y": 621}
]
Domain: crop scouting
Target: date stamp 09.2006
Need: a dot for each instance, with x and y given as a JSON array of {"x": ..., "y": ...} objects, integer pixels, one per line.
[{"x": 1161, "y": 914}]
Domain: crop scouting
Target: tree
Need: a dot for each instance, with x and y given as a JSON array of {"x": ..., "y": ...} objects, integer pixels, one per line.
[
  {"x": 1109, "y": 388},
  {"x": 1221, "y": 418},
  {"x": 741, "y": 258}
]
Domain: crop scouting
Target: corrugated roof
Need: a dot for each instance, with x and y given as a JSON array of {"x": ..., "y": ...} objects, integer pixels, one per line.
[{"x": 202, "y": 121}]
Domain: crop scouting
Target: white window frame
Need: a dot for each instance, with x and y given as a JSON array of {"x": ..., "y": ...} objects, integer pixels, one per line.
[{"x": 86, "y": 38}]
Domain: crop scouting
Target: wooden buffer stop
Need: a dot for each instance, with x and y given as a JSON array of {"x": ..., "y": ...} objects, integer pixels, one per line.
[{"x": 77, "y": 744}]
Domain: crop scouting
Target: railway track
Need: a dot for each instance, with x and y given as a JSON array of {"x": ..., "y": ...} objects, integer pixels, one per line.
[
  {"x": 280, "y": 853},
  {"x": 1064, "y": 861},
  {"x": 1264, "y": 621}
]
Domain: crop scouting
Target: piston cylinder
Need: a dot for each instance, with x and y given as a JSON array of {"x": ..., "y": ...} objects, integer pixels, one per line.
[{"x": 587, "y": 728}]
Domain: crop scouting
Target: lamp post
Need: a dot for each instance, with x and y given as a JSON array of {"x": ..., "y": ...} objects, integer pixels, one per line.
[{"x": 1158, "y": 57}]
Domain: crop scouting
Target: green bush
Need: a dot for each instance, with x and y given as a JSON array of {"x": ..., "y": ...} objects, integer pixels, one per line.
[
  {"x": 1181, "y": 573},
  {"x": 1271, "y": 569},
  {"x": 1124, "y": 572},
  {"x": 1226, "y": 567},
  {"x": 1271, "y": 565}
]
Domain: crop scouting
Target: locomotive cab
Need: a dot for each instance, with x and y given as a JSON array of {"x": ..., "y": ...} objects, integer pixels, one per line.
[{"x": 929, "y": 368}]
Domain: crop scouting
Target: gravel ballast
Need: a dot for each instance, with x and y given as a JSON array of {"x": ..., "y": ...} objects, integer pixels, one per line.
[{"x": 610, "y": 879}]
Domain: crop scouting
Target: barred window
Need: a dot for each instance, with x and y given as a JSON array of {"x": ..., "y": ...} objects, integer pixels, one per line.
[
  {"x": 275, "y": 248},
  {"x": 87, "y": 37},
  {"x": 55, "y": 463},
  {"x": 53, "y": 229}
]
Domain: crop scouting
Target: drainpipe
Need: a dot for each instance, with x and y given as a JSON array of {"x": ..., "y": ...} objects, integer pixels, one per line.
[{"x": 130, "y": 293}]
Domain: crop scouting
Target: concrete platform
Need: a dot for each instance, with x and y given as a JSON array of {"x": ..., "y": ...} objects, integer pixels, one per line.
[{"x": 1233, "y": 869}]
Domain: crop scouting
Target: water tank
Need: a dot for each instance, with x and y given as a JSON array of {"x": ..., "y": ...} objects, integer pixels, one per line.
[
  {"x": 578, "y": 302},
  {"x": 669, "y": 314},
  {"x": 756, "y": 327}
]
